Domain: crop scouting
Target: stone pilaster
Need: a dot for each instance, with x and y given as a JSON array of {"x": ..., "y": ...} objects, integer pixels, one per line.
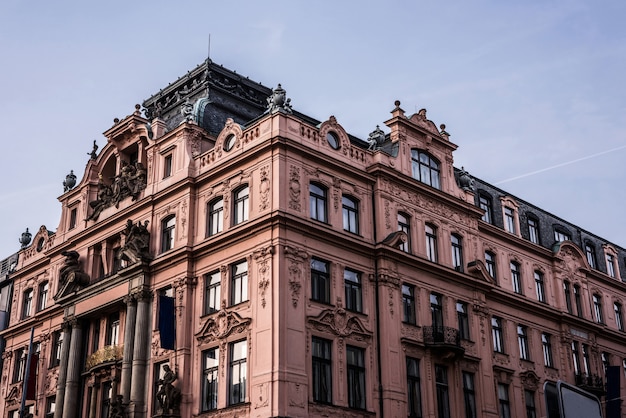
[
  {"x": 65, "y": 352},
  {"x": 70, "y": 403},
  {"x": 129, "y": 340},
  {"x": 140, "y": 355}
]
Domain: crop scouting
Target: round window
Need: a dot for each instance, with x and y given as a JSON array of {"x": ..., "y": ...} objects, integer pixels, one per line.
[
  {"x": 229, "y": 143},
  {"x": 333, "y": 140}
]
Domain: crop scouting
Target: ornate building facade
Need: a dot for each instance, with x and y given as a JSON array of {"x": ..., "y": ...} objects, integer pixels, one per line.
[{"x": 226, "y": 256}]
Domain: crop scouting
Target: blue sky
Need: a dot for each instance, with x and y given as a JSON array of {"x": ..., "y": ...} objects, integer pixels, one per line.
[{"x": 532, "y": 92}]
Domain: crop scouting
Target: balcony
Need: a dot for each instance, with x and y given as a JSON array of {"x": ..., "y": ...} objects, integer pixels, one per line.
[
  {"x": 591, "y": 383},
  {"x": 445, "y": 341},
  {"x": 106, "y": 355}
]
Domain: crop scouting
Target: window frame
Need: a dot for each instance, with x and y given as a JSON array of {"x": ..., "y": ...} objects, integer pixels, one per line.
[
  {"x": 442, "y": 390},
  {"x": 210, "y": 390},
  {"x": 353, "y": 290},
  {"x": 239, "y": 282},
  {"x": 42, "y": 295},
  {"x": 212, "y": 292},
  {"x": 241, "y": 205},
  {"x": 456, "y": 242},
  {"x": 540, "y": 286},
  {"x": 490, "y": 264},
  {"x": 590, "y": 253},
  {"x": 504, "y": 405},
  {"x": 509, "y": 220},
  {"x": 408, "y": 304},
  {"x": 237, "y": 368},
  {"x": 27, "y": 302},
  {"x": 404, "y": 225},
  {"x": 318, "y": 202},
  {"x": 425, "y": 168},
  {"x": 516, "y": 277},
  {"x": 215, "y": 216},
  {"x": 321, "y": 370},
  {"x": 350, "y": 214},
  {"x": 320, "y": 281},
  {"x": 567, "y": 290},
  {"x": 497, "y": 334},
  {"x": 168, "y": 165},
  {"x": 534, "y": 235},
  {"x": 486, "y": 203},
  {"x": 619, "y": 316},
  {"x": 355, "y": 373},
  {"x": 168, "y": 233},
  {"x": 463, "y": 320},
  {"x": 597, "y": 308},
  {"x": 414, "y": 387},
  {"x": 469, "y": 394},
  {"x": 522, "y": 341},
  {"x": 529, "y": 401},
  {"x": 546, "y": 348},
  {"x": 430, "y": 235}
]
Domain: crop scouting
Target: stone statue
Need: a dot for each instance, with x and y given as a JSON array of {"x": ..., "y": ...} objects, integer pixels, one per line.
[
  {"x": 93, "y": 152},
  {"x": 168, "y": 395},
  {"x": 117, "y": 408},
  {"x": 129, "y": 182},
  {"x": 137, "y": 242},
  {"x": 25, "y": 238},
  {"x": 71, "y": 275},
  {"x": 278, "y": 101},
  {"x": 466, "y": 182},
  {"x": 376, "y": 138}
]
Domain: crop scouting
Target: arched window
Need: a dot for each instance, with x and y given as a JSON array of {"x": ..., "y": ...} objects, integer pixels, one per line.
[
  {"x": 425, "y": 168},
  {"x": 168, "y": 232}
]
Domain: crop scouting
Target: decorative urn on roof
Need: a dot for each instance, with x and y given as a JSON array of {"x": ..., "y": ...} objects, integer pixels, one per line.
[
  {"x": 69, "y": 182},
  {"x": 25, "y": 238}
]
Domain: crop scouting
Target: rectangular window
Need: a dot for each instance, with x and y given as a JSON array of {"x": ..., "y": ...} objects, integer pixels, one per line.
[
  {"x": 241, "y": 206},
  {"x": 237, "y": 372},
  {"x": 463, "y": 317},
  {"x": 597, "y": 308},
  {"x": 533, "y": 230},
  {"x": 591, "y": 255},
  {"x": 619, "y": 320},
  {"x": 20, "y": 365},
  {"x": 586, "y": 362},
  {"x": 436, "y": 311},
  {"x": 431, "y": 243},
  {"x": 212, "y": 290},
  {"x": 529, "y": 397},
  {"x": 42, "y": 301},
  {"x": 546, "y": 345},
  {"x": 352, "y": 284},
  {"x": 317, "y": 202},
  {"x": 577, "y": 301},
  {"x": 350, "y": 211},
  {"x": 560, "y": 236},
  {"x": 522, "y": 340},
  {"x": 356, "y": 377},
  {"x": 540, "y": 287},
  {"x": 113, "y": 329},
  {"x": 516, "y": 278},
  {"x": 485, "y": 204},
  {"x": 457, "y": 252},
  {"x": 405, "y": 226},
  {"x": 408, "y": 304},
  {"x": 320, "y": 281},
  {"x": 322, "y": 372},
  {"x": 210, "y": 381},
  {"x": 73, "y": 217},
  {"x": 610, "y": 265},
  {"x": 239, "y": 283},
  {"x": 490, "y": 263},
  {"x": 575, "y": 357},
  {"x": 57, "y": 344},
  {"x": 27, "y": 304},
  {"x": 168, "y": 233},
  {"x": 443, "y": 391},
  {"x": 568, "y": 297},
  {"x": 509, "y": 219},
  {"x": 469, "y": 395},
  {"x": 414, "y": 391},
  {"x": 215, "y": 224},
  {"x": 496, "y": 334},
  {"x": 50, "y": 406},
  {"x": 503, "y": 400},
  {"x": 167, "y": 166}
]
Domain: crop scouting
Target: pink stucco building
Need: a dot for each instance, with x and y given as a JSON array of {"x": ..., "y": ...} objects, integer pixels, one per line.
[{"x": 226, "y": 256}]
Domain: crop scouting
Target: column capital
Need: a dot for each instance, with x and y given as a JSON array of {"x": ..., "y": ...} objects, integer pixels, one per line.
[
  {"x": 71, "y": 323},
  {"x": 130, "y": 299},
  {"x": 142, "y": 295}
]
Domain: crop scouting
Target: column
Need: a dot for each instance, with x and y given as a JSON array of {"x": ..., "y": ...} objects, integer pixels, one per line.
[
  {"x": 70, "y": 402},
  {"x": 93, "y": 405},
  {"x": 65, "y": 352},
  {"x": 129, "y": 334},
  {"x": 140, "y": 355}
]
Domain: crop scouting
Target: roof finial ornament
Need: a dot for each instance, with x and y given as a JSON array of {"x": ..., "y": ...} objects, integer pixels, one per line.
[
  {"x": 25, "y": 238},
  {"x": 93, "y": 154},
  {"x": 443, "y": 130},
  {"x": 69, "y": 182},
  {"x": 278, "y": 101},
  {"x": 376, "y": 138}
]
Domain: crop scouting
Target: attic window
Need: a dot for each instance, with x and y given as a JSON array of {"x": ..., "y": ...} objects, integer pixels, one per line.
[
  {"x": 229, "y": 142},
  {"x": 333, "y": 140}
]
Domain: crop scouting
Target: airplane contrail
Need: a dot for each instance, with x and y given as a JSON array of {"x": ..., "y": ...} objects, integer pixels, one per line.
[{"x": 532, "y": 173}]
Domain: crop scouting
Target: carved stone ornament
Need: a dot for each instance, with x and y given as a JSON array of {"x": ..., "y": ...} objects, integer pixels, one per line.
[
  {"x": 278, "y": 101},
  {"x": 466, "y": 182},
  {"x": 71, "y": 276},
  {"x": 339, "y": 322},
  {"x": 396, "y": 239},
  {"x": 376, "y": 139},
  {"x": 129, "y": 182},
  {"x": 137, "y": 243},
  {"x": 222, "y": 325},
  {"x": 168, "y": 395}
]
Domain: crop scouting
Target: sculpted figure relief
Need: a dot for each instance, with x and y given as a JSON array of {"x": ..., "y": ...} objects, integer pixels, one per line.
[
  {"x": 71, "y": 275},
  {"x": 168, "y": 395},
  {"x": 129, "y": 182},
  {"x": 137, "y": 242}
]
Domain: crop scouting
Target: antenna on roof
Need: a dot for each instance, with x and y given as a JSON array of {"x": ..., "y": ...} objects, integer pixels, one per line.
[
  {"x": 208, "y": 61},
  {"x": 208, "y": 55}
]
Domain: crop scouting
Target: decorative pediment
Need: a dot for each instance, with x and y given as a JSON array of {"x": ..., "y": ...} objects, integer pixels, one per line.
[
  {"x": 222, "y": 325},
  {"x": 339, "y": 322},
  {"x": 569, "y": 257},
  {"x": 478, "y": 269},
  {"x": 529, "y": 379},
  {"x": 420, "y": 120},
  {"x": 396, "y": 239}
]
